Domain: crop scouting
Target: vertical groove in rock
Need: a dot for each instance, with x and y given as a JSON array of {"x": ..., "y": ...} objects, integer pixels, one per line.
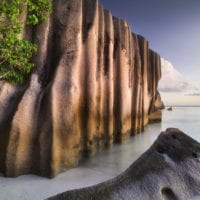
[
  {"x": 90, "y": 66},
  {"x": 117, "y": 80},
  {"x": 95, "y": 83},
  {"x": 108, "y": 79},
  {"x": 136, "y": 91},
  {"x": 144, "y": 50}
]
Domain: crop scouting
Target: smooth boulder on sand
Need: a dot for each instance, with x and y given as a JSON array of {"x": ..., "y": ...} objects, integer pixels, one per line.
[{"x": 169, "y": 170}]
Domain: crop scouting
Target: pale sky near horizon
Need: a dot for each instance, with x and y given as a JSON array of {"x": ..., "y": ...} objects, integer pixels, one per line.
[{"x": 173, "y": 30}]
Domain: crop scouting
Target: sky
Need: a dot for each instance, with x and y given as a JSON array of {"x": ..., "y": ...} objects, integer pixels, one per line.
[{"x": 173, "y": 30}]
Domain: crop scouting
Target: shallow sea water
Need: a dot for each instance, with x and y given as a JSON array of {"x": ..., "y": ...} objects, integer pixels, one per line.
[
  {"x": 104, "y": 165},
  {"x": 185, "y": 118}
]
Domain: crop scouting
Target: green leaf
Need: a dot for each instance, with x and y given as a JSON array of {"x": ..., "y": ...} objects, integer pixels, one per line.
[{"x": 15, "y": 53}]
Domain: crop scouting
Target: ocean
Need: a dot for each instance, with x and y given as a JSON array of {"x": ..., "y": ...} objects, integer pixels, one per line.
[
  {"x": 103, "y": 166},
  {"x": 186, "y": 119}
]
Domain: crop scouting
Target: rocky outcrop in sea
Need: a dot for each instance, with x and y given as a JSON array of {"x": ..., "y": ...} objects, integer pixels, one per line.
[{"x": 94, "y": 84}]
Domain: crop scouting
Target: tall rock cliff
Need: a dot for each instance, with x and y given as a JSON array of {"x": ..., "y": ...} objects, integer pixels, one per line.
[{"x": 95, "y": 83}]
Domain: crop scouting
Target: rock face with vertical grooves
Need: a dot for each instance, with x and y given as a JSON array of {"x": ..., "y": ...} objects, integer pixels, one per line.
[
  {"x": 168, "y": 170},
  {"x": 95, "y": 83}
]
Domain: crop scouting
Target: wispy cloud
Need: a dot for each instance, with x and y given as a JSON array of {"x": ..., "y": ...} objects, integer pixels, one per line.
[
  {"x": 172, "y": 80},
  {"x": 193, "y": 94}
]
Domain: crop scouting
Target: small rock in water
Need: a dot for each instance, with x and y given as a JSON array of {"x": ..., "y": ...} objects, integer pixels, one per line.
[{"x": 170, "y": 108}]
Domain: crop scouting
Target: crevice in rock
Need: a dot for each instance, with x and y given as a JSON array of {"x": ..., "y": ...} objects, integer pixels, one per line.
[
  {"x": 195, "y": 155},
  {"x": 160, "y": 149},
  {"x": 168, "y": 194}
]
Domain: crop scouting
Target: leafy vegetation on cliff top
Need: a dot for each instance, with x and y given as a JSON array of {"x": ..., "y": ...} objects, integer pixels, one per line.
[{"x": 16, "y": 52}]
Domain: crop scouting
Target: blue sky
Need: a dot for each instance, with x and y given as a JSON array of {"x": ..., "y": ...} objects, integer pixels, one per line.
[{"x": 173, "y": 30}]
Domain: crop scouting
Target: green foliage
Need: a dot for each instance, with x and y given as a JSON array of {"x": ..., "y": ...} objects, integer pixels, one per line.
[
  {"x": 37, "y": 10},
  {"x": 16, "y": 53}
]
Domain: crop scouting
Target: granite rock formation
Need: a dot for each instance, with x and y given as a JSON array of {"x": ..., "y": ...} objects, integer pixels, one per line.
[
  {"x": 169, "y": 170},
  {"x": 95, "y": 83}
]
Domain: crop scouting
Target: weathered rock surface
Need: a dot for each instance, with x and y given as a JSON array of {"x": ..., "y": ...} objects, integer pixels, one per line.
[
  {"x": 169, "y": 170},
  {"x": 95, "y": 83}
]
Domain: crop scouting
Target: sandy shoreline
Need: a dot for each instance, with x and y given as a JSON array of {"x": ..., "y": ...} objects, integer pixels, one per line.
[
  {"x": 30, "y": 187},
  {"x": 99, "y": 168}
]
